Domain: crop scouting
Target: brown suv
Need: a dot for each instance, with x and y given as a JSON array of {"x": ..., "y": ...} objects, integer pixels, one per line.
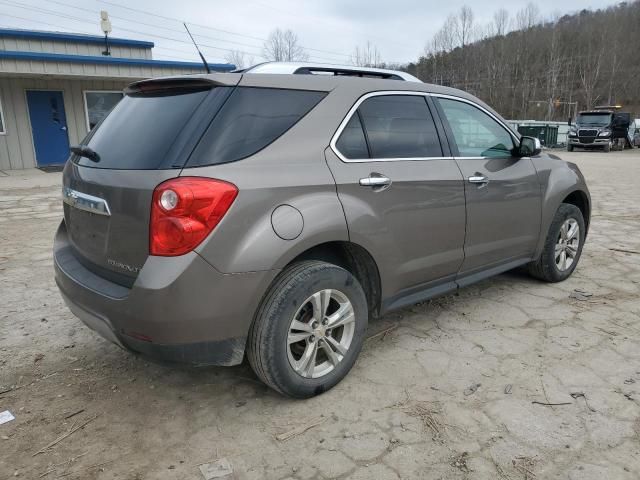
[{"x": 274, "y": 211}]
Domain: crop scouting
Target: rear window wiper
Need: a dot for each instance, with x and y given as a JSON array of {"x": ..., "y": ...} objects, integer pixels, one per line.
[{"x": 86, "y": 152}]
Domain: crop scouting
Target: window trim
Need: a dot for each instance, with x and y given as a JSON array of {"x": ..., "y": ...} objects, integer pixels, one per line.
[
  {"x": 86, "y": 106},
  {"x": 4, "y": 125},
  {"x": 366, "y": 96}
]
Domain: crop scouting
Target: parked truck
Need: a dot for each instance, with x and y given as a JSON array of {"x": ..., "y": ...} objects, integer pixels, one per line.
[{"x": 602, "y": 127}]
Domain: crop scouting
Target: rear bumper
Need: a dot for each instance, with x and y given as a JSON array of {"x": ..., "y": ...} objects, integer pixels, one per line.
[{"x": 179, "y": 308}]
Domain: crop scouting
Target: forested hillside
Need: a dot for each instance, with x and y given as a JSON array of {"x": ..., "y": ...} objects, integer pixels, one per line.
[{"x": 530, "y": 68}]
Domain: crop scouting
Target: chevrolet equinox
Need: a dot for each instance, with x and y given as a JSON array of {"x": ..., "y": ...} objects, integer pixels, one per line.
[{"x": 272, "y": 212}]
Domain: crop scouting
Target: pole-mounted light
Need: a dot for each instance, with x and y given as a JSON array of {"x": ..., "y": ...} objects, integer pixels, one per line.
[{"x": 105, "y": 26}]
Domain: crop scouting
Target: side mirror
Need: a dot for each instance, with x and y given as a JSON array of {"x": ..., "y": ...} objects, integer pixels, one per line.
[{"x": 529, "y": 147}]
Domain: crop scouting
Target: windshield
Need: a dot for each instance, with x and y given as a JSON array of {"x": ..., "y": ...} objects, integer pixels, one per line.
[{"x": 600, "y": 119}]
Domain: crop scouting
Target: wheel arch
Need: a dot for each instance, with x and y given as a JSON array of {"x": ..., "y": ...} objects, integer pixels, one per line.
[
  {"x": 580, "y": 199},
  {"x": 356, "y": 260},
  {"x": 562, "y": 182},
  {"x": 346, "y": 254}
]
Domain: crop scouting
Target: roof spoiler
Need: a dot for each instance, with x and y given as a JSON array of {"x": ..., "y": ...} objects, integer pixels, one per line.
[{"x": 183, "y": 84}]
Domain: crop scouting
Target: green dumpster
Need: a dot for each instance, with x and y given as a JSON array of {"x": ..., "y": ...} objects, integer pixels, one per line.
[{"x": 547, "y": 134}]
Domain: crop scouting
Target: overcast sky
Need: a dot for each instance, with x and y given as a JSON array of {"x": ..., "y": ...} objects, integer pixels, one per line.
[{"x": 329, "y": 29}]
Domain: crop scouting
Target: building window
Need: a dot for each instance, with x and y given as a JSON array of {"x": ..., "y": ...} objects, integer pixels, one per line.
[
  {"x": 2, "y": 127},
  {"x": 97, "y": 104}
]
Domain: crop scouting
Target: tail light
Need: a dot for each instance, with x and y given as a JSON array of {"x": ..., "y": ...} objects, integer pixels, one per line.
[{"x": 184, "y": 211}]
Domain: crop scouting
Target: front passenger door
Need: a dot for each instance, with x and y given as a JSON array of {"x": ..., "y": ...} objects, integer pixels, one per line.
[{"x": 502, "y": 191}]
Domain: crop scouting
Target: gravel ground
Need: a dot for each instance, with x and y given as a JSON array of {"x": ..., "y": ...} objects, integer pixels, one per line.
[{"x": 448, "y": 392}]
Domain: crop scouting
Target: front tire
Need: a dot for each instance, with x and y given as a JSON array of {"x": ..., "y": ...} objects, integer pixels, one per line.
[
  {"x": 607, "y": 148},
  {"x": 569, "y": 148},
  {"x": 308, "y": 330},
  {"x": 562, "y": 247}
]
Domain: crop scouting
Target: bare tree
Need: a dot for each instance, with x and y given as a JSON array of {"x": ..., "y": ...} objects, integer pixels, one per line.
[
  {"x": 528, "y": 17},
  {"x": 589, "y": 72},
  {"x": 283, "y": 46},
  {"x": 554, "y": 68},
  {"x": 501, "y": 22},
  {"x": 239, "y": 58},
  {"x": 537, "y": 67},
  {"x": 464, "y": 27},
  {"x": 446, "y": 35},
  {"x": 367, "y": 56}
]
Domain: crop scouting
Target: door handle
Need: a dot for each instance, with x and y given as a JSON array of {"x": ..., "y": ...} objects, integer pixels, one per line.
[
  {"x": 481, "y": 179},
  {"x": 375, "y": 181}
]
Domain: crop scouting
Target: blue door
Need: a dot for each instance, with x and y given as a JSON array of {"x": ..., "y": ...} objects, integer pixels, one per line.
[{"x": 49, "y": 126}]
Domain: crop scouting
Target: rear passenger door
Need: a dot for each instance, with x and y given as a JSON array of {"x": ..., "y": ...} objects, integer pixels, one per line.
[
  {"x": 403, "y": 196},
  {"x": 502, "y": 191}
]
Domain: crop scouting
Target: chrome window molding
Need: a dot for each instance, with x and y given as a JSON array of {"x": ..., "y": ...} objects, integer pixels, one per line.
[
  {"x": 368, "y": 160},
  {"x": 359, "y": 102},
  {"x": 3, "y": 125}
]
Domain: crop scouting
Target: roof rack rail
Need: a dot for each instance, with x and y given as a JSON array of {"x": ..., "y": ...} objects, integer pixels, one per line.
[
  {"x": 300, "y": 68},
  {"x": 348, "y": 72}
]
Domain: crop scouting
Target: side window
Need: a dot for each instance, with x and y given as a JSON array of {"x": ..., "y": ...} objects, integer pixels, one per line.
[
  {"x": 400, "y": 126},
  {"x": 352, "y": 143},
  {"x": 476, "y": 133},
  {"x": 251, "y": 119}
]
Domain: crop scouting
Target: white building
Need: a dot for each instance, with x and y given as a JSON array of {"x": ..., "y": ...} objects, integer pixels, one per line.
[{"x": 55, "y": 86}]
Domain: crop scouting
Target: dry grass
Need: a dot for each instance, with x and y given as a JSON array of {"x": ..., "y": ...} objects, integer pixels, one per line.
[
  {"x": 426, "y": 412},
  {"x": 525, "y": 466}
]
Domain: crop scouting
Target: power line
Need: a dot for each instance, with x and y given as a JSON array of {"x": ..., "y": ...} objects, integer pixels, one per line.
[
  {"x": 42, "y": 23},
  {"x": 67, "y": 16},
  {"x": 271, "y": 7},
  {"x": 172, "y": 29},
  {"x": 82, "y": 20},
  {"x": 213, "y": 28},
  {"x": 176, "y": 20},
  {"x": 155, "y": 35},
  {"x": 84, "y": 32}
]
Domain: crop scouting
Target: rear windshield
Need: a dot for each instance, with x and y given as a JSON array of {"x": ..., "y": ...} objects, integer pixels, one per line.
[
  {"x": 251, "y": 119},
  {"x": 139, "y": 132}
]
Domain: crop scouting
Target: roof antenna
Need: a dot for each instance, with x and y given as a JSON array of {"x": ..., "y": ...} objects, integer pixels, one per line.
[{"x": 206, "y": 65}]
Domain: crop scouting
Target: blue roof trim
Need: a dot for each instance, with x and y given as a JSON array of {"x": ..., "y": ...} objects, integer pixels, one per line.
[
  {"x": 71, "y": 37},
  {"x": 134, "y": 62}
]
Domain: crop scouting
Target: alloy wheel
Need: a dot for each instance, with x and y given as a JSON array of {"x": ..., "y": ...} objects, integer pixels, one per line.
[
  {"x": 320, "y": 333},
  {"x": 567, "y": 244}
]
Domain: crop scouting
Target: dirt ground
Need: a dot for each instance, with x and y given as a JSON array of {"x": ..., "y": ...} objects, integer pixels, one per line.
[{"x": 455, "y": 389}]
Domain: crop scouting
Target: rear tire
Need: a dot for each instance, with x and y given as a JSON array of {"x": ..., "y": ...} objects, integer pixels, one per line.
[
  {"x": 561, "y": 243},
  {"x": 293, "y": 325}
]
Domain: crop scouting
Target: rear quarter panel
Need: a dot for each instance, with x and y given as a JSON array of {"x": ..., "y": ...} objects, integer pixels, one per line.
[
  {"x": 291, "y": 171},
  {"x": 245, "y": 239}
]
